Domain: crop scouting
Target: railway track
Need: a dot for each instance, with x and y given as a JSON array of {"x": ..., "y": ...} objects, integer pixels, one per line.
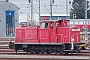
[
  {"x": 39, "y": 57},
  {"x": 4, "y": 41},
  {"x": 20, "y": 52},
  {"x": 4, "y": 49}
]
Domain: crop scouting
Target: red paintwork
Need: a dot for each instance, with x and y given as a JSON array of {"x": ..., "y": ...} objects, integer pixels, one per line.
[
  {"x": 65, "y": 34},
  {"x": 64, "y": 23},
  {"x": 76, "y": 35},
  {"x": 43, "y": 35},
  {"x": 20, "y": 32},
  {"x": 29, "y": 33},
  {"x": 56, "y": 34},
  {"x": 82, "y": 25}
]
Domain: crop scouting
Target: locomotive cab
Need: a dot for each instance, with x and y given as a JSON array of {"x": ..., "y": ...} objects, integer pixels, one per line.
[
  {"x": 61, "y": 32},
  {"x": 64, "y": 23},
  {"x": 57, "y": 23}
]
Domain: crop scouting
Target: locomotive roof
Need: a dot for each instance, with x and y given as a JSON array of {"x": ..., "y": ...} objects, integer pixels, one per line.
[{"x": 50, "y": 20}]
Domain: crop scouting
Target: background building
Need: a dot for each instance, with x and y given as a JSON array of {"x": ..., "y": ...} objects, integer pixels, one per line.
[
  {"x": 9, "y": 19},
  {"x": 54, "y": 16},
  {"x": 58, "y": 8}
]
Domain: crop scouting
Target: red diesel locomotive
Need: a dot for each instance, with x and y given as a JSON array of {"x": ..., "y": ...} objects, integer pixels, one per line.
[{"x": 52, "y": 36}]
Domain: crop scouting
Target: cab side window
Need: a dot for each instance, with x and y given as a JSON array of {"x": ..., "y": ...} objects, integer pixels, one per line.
[
  {"x": 51, "y": 25},
  {"x": 44, "y": 25},
  {"x": 57, "y": 24}
]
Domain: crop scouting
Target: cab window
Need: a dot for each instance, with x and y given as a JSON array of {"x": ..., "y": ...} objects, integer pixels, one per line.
[
  {"x": 44, "y": 25},
  {"x": 51, "y": 25}
]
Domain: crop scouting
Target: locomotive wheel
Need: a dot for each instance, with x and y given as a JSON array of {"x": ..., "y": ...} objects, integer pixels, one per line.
[
  {"x": 16, "y": 50},
  {"x": 61, "y": 51},
  {"x": 31, "y": 52},
  {"x": 64, "y": 52},
  {"x": 25, "y": 50},
  {"x": 41, "y": 52},
  {"x": 77, "y": 51},
  {"x": 49, "y": 51},
  {"x": 37, "y": 51}
]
